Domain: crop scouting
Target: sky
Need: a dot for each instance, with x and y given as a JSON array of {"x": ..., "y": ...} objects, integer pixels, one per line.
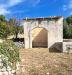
[{"x": 35, "y": 8}]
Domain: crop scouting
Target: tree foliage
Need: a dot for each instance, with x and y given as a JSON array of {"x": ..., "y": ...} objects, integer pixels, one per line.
[
  {"x": 15, "y": 27},
  {"x": 67, "y": 29},
  {"x": 69, "y": 20},
  {"x": 2, "y": 18},
  {"x": 11, "y": 27},
  {"x": 3, "y": 27}
]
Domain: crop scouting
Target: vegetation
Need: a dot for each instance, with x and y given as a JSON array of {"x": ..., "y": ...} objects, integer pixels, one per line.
[
  {"x": 15, "y": 27},
  {"x": 3, "y": 27},
  {"x": 10, "y": 52},
  {"x": 67, "y": 31},
  {"x": 11, "y": 27}
]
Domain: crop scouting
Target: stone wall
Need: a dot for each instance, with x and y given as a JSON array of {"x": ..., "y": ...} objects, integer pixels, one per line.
[
  {"x": 67, "y": 45},
  {"x": 54, "y": 26}
]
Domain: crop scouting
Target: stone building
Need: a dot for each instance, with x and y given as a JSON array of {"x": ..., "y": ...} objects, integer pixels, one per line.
[{"x": 43, "y": 32}]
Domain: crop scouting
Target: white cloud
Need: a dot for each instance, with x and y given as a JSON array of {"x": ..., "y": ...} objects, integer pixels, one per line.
[
  {"x": 70, "y": 4},
  {"x": 71, "y": 13},
  {"x": 4, "y": 11},
  {"x": 68, "y": 7},
  {"x": 65, "y": 7},
  {"x": 35, "y": 2},
  {"x": 14, "y": 2},
  {"x": 4, "y": 7},
  {"x": 9, "y": 3}
]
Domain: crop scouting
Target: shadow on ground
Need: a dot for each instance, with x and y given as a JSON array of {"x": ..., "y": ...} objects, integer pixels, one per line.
[
  {"x": 18, "y": 39},
  {"x": 56, "y": 47}
]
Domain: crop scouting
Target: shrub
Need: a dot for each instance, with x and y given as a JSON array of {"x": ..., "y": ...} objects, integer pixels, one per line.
[{"x": 10, "y": 53}]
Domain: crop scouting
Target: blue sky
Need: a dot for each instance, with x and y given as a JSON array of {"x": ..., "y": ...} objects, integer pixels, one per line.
[{"x": 35, "y": 8}]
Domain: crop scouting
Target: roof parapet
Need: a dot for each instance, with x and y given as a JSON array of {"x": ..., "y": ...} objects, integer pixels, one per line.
[{"x": 43, "y": 18}]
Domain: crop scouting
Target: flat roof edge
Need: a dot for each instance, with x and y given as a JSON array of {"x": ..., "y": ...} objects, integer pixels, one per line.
[{"x": 44, "y": 18}]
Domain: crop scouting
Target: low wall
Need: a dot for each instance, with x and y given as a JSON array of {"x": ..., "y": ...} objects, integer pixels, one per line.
[{"x": 67, "y": 45}]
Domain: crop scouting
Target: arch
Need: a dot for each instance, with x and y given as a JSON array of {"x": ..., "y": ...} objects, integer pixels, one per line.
[
  {"x": 46, "y": 28},
  {"x": 39, "y": 37},
  {"x": 53, "y": 25}
]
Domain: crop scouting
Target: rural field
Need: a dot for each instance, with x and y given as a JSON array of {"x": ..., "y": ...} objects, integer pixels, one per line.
[{"x": 39, "y": 61}]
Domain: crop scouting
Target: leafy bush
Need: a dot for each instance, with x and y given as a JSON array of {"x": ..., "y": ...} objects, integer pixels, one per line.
[{"x": 11, "y": 52}]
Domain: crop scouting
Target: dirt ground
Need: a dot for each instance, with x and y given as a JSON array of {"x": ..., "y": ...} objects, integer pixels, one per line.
[{"x": 42, "y": 62}]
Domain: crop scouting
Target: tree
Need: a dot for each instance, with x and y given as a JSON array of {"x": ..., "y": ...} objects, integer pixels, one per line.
[
  {"x": 11, "y": 27},
  {"x": 67, "y": 29},
  {"x": 15, "y": 27},
  {"x": 2, "y": 18},
  {"x": 69, "y": 20},
  {"x": 3, "y": 27}
]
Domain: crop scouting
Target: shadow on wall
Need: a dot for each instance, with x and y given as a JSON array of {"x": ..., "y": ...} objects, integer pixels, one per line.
[
  {"x": 40, "y": 38},
  {"x": 57, "y": 47}
]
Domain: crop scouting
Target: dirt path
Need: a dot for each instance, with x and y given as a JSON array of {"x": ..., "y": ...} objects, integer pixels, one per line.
[{"x": 41, "y": 62}]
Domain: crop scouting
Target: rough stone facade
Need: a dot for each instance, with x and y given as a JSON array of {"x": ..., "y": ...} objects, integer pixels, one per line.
[
  {"x": 53, "y": 25},
  {"x": 67, "y": 45}
]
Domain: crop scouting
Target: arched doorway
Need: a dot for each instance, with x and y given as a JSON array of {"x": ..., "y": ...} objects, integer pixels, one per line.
[{"x": 39, "y": 38}]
